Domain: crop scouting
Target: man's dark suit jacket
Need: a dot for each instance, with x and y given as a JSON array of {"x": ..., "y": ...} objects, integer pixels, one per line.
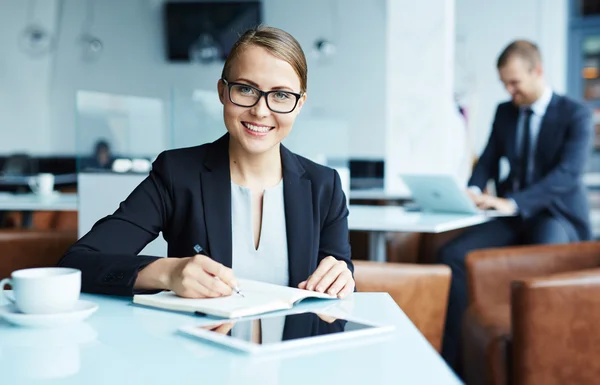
[
  {"x": 187, "y": 196},
  {"x": 561, "y": 154}
]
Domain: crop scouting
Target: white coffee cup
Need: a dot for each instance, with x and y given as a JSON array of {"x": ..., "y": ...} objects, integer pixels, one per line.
[
  {"x": 42, "y": 184},
  {"x": 44, "y": 290}
]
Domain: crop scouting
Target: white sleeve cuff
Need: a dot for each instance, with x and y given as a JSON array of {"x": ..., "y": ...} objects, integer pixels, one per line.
[{"x": 475, "y": 190}]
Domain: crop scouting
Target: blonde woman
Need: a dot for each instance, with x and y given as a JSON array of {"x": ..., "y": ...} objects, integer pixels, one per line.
[{"x": 241, "y": 207}]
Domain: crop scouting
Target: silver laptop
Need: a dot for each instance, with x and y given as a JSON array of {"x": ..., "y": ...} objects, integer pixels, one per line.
[{"x": 442, "y": 194}]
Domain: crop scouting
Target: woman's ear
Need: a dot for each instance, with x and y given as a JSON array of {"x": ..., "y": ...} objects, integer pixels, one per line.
[
  {"x": 301, "y": 102},
  {"x": 221, "y": 90}
]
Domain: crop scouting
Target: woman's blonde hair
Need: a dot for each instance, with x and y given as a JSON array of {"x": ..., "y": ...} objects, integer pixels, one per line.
[{"x": 279, "y": 43}]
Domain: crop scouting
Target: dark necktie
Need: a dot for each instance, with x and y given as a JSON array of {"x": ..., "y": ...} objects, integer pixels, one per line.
[{"x": 525, "y": 147}]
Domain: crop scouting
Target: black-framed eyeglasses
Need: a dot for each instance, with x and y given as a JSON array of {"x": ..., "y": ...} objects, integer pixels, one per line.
[{"x": 279, "y": 101}]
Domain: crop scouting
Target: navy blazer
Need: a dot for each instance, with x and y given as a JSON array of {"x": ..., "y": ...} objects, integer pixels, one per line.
[
  {"x": 561, "y": 154},
  {"x": 187, "y": 197}
]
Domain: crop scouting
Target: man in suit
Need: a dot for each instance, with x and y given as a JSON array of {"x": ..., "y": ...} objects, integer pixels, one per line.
[{"x": 546, "y": 139}]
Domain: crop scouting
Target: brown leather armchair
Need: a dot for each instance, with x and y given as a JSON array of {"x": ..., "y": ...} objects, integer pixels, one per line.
[
  {"x": 421, "y": 291},
  {"x": 534, "y": 315},
  {"x": 21, "y": 249}
]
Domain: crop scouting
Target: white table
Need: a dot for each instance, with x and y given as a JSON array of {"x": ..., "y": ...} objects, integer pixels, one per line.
[
  {"x": 126, "y": 344},
  {"x": 33, "y": 202},
  {"x": 378, "y": 220}
]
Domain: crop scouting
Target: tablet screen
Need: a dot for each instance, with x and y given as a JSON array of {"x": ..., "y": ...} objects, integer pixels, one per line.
[{"x": 275, "y": 329}]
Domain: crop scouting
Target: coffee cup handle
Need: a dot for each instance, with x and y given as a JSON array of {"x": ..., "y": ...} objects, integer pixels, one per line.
[
  {"x": 4, "y": 282},
  {"x": 34, "y": 184}
]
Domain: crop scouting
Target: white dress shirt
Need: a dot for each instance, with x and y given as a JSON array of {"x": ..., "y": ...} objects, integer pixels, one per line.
[{"x": 539, "y": 108}]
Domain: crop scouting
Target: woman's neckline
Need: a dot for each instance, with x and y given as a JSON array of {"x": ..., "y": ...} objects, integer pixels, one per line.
[{"x": 278, "y": 184}]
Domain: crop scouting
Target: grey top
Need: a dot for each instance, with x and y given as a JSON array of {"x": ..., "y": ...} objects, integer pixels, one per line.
[{"x": 268, "y": 263}]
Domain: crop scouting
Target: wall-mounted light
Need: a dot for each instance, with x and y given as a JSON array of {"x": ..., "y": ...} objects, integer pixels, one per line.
[
  {"x": 324, "y": 48},
  {"x": 91, "y": 46},
  {"x": 36, "y": 41}
]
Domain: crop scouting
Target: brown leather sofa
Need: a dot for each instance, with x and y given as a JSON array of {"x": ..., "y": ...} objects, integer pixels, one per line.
[
  {"x": 21, "y": 249},
  {"x": 534, "y": 315},
  {"x": 44, "y": 220},
  {"x": 420, "y": 291}
]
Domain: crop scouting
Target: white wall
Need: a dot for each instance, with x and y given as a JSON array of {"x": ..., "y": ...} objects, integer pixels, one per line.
[
  {"x": 424, "y": 132},
  {"x": 483, "y": 29},
  {"x": 133, "y": 63},
  {"x": 24, "y": 81}
]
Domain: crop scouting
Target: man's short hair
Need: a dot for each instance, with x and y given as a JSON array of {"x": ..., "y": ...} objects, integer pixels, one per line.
[{"x": 522, "y": 48}]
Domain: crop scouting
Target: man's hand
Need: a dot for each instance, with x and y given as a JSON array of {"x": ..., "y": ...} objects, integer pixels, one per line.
[
  {"x": 505, "y": 206},
  {"x": 475, "y": 197}
]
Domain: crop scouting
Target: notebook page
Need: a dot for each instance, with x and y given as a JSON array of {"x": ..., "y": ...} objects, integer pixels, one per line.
[
  {"x": 258, "y": 297},
  {"x": 290, "y": 295}
]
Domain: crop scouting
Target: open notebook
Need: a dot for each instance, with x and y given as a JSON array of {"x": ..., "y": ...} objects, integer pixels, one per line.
[{"x": 259, "y": 297}]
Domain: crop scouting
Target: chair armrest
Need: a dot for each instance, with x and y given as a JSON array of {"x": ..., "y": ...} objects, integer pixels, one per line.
[
  {"x": 421, "y": 291},
  {"x": 490, "y": 272},
  {"x": 556, "y": 332}
]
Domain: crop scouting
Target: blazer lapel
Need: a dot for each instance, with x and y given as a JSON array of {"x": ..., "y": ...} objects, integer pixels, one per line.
[
  {"x": 547, "y": 129},
  {"x": 298, "y": 218},
  {"x": 216, "y": 200}
]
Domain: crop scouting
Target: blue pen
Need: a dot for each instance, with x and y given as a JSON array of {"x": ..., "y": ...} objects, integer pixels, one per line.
[{"x": 198, "y": 249}]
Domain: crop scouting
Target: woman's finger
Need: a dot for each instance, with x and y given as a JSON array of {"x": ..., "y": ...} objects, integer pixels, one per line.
[
  {"x": 214, "y": 284},
  {"x": 224, "y": 328},
  {"x": 331, "y": 276},
  {"x": 224, "y": 273},
  {"x": 325, "y": 265},
  {"x": 347, "y": 290},
  {"x": 340, "y": 282},
  {"x": 192, "y": 288}
]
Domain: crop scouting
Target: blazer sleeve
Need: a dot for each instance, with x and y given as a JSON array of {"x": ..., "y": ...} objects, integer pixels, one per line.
[
  {"x": 334, "y": 233},
  {"x": 487, "y": 165},
  {"x": 567, "y": 173},
  {"x": 108, "y": 254}
]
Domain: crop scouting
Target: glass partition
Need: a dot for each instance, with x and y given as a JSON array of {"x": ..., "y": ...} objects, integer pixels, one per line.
[
  {"x": 118, "y": 133},
  {"x": 196, "y": 117},
  {"x": 118, "y": 136}
]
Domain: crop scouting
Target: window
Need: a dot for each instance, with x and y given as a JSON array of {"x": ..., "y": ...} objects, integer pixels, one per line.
[{"x": 590, "y": 72}]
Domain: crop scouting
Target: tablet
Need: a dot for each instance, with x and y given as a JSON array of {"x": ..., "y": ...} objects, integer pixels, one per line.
[{"x": 270, "y": 333}]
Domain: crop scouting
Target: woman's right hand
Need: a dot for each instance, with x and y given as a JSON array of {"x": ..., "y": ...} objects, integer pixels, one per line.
[{"x": 200, "y": 277}]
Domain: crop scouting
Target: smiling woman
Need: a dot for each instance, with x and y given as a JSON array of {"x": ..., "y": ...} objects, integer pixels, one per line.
[{"x": 241, "y": 207}]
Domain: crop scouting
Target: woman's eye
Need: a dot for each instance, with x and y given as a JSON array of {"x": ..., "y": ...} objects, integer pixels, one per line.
[{"x": 281, "y": 95}]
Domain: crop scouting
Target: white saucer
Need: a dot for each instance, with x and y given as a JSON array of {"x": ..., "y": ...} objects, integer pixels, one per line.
[
  {"x": 82, "y": 310},
  {"x": 52, "y": 195}
]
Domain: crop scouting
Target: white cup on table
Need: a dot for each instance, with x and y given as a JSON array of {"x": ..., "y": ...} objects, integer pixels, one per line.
[
  {"x": 42, "y": 184},
  {"x": 44, "y": 290}
]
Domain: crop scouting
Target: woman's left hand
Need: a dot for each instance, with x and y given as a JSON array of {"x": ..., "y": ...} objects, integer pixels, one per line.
[{"x": 332, "y": 277}]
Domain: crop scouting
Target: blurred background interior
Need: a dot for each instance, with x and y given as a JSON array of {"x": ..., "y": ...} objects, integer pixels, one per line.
[
  {"x": 91, "y": 91},
  {"x": 101, "y": 87}
]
